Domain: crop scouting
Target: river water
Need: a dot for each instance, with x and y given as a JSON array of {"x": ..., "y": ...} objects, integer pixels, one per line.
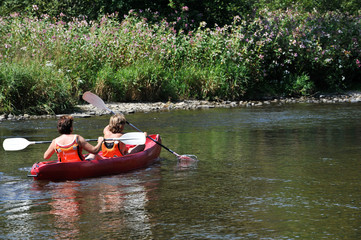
[{"x": 271, "y": 172}]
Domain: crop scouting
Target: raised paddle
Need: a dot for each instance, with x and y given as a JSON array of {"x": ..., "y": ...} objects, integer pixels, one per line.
[
  {"x": 16, "y": 144},
  {"x": 96, "y": 101}
]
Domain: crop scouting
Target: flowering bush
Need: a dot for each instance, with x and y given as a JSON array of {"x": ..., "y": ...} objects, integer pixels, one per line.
[{"x": 284, "y": 52}]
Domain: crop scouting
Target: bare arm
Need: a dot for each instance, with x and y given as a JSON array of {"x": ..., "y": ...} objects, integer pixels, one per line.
[
  {"x": 90, "y": 148},
  {"x": 50, "y": 151}
]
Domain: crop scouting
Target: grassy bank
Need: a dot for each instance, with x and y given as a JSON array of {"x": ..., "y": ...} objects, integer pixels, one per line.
[{"x": 46, "y": 64}]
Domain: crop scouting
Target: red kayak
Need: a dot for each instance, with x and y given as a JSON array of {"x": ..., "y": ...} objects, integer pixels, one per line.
[{"x": 58, "y": 171}]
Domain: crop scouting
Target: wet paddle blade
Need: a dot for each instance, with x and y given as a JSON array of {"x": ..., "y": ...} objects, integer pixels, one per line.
[
  {"x": 187, "y": 157},
  {"x": 15, "y": 144}
]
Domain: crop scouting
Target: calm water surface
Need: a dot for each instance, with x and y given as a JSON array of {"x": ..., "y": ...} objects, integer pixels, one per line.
[{"x": 273, "y": 172}]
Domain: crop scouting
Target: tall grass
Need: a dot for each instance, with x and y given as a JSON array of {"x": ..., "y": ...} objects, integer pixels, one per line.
[
  {"x": 30, "y": 88},
  {"x": 285, "y": 52}
]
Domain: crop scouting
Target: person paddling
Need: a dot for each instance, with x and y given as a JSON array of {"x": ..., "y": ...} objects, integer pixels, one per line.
[
  {"x": 115, "y": 130},
  {"x": 69, "y": 146}
]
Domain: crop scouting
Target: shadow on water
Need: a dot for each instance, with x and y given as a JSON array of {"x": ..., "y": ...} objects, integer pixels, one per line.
[{"x": 273, "y": 172}]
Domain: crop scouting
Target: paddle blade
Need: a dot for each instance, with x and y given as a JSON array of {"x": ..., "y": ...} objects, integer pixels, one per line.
[
  {"x": 15, "y": 144},
  {"x": 95, "y": 101},
  {"x": 187, "y": 157},
  {"x": 133, "y": 138}
]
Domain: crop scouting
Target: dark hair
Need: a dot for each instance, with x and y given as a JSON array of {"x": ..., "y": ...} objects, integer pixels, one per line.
[{"x": 65, "y": 124}]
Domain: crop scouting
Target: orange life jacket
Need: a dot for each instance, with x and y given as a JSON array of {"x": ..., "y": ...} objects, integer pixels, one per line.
[
  {"x": 113, "y": 149},
  {"x": 70, "y": 152}
]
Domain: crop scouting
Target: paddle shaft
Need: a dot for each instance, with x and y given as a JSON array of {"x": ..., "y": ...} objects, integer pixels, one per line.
[
  {"x": 169, "y": 150},
  {"x": 88, "y": 140},
  {"x": 176, "y": 154}
]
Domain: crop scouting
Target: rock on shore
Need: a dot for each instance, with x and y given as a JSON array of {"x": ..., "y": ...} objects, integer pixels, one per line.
[{"x": 87, "y": 110}]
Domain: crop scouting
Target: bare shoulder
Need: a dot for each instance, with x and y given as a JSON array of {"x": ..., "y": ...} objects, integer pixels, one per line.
[
  {"x": 106, "y": 130},
  {"x": 81, "y": 139}
]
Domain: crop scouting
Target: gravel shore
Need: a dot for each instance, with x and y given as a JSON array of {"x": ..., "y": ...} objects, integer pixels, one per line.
[{"x": 87, "y": 110}]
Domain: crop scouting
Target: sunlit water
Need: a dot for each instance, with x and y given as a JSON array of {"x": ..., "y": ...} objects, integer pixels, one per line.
[{"x": 273, "y": 172}]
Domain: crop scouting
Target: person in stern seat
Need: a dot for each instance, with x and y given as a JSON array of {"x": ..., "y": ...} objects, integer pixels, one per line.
[
  {"x": 115, "y": 130},
  {"x": 69, "y": 146}
]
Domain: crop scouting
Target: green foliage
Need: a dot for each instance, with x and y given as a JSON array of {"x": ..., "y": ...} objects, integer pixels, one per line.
[
  {"x": 280, "y": 52},
  {"x": 298, "y": 84},
  {"x": 220, "y": 12},
  {"x": 323, "y": 6},
  {"x": 33, "y": 89},
  {"x": 142, "y": 81}
]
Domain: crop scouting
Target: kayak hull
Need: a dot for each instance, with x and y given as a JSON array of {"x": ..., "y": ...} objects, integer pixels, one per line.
[{"x": 59, "y": 171}]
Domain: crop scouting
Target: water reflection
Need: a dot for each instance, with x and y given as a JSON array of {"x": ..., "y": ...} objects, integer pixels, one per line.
[
  {"x": 65, "y": 208},
  {"x": 15, "y": 209},
  {"x": 114, "y": 205},
  {"x": 17, "y": 219}
]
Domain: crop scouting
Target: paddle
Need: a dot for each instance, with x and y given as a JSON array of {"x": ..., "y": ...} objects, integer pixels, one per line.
[
  {"x": 16, "y": 144},
  {"x": 99, "y": 103}
]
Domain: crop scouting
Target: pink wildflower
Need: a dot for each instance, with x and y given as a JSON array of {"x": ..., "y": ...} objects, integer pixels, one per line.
[
  {"x": 185, "y": 9},
  {"x": 14, "y": 15},
  {"x": 237, "y": 18},
  {"x": 358, "y": 63}
]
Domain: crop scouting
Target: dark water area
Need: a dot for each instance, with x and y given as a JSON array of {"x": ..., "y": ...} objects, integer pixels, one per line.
[{"x": 271, "y": 172}]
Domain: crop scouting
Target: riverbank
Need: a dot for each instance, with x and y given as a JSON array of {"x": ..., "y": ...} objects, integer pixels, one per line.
[{"x": 87, "y": 110}]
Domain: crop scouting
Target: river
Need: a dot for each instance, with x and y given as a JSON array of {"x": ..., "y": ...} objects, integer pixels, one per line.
[{"x": 271, "y": 172}]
